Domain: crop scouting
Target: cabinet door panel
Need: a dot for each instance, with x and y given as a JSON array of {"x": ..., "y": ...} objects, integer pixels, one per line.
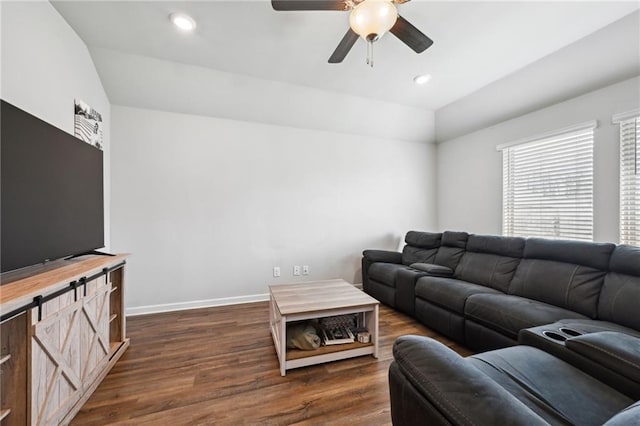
[
  {"x": 55, "y": 350},
  {"x": 94, "y": 330},
  {"x": 69, "y": 348}
]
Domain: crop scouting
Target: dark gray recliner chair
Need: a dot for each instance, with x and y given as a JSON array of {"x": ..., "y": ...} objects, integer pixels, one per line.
[
  {"x": 381, "y": 267},
  {"x": 608, "y": 347},
  {"x": 390, "y": 276},
  {"x": 520, "y": 385}
]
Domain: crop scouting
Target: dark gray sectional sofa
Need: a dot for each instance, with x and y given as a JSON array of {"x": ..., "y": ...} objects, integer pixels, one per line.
[
  {"x": 576, "y": 305},
  {"x": 482, "y": 290}
]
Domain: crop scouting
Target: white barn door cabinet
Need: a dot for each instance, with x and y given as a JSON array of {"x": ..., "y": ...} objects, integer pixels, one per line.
[{"x": 64, "y": 343}]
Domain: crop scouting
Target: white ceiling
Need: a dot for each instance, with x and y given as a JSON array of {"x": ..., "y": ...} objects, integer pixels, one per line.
[{"x": 475, "y": 43}]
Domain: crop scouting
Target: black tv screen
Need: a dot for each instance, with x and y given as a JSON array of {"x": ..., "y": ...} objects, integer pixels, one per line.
[{"x": 51, "y": 192}]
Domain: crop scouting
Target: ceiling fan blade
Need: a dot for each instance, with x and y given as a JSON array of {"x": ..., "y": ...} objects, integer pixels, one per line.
[
  {"x": 290, "y": 5},
  {"x": 344, "y": 47},
  {"x": 410, "y": 35}
]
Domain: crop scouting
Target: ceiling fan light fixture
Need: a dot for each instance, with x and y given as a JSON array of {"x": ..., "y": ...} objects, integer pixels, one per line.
[
  {"x": 370, "y": 19},
  {"x": 183, "y": 21}
]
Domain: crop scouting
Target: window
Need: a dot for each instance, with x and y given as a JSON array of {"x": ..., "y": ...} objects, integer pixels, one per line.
[
  {"x": 629, "y": 177},
  {"x": 548, "y": 185}
]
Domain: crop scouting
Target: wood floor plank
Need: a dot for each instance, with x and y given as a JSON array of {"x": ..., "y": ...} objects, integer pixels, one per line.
[{"x": 219, "y": 366}]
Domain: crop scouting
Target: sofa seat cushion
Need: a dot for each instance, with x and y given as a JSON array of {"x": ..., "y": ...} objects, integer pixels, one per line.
[
  {"x": 449, "y": 293},
  {"x": 532, "y": 376},
  {"x": 509, "y": 314},
  {"x": 385, "y": 273}
]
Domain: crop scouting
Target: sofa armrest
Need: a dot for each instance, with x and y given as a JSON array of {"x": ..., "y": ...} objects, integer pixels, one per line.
[
  {"x": 433, "y": 270},
  {"x": 406, "y": 289},
  {"x": 373, "y": 256},
  {"x": 617, "y": 351},
  {"x": 382, "y": 256},
  {"x": 451, "y": 388}
]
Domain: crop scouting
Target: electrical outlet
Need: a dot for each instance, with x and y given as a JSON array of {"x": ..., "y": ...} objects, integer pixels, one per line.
[
  {"x": 276, "y": 271},
  {"x": 296, "y": 270},
  {"x": 305, "y": 269}
]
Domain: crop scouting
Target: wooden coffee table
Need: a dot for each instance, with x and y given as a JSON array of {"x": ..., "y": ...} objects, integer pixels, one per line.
[{"x": 318, "y": 299}]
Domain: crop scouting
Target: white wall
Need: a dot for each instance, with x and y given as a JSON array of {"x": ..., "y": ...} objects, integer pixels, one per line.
[
  {"x": 45, "y": 65},
  {"x": 469, "y": 178},
  {"x": 605, "y": 57},
  {"x": 145, "y": 82},
  {"x": 208, "y": 205}
]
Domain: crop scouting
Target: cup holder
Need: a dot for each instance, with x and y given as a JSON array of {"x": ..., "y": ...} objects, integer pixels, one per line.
[
  {"x": 554, "y": 336},
  {"x": 570, "y": 331}
]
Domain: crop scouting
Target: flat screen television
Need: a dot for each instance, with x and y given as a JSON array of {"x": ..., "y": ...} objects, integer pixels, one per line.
[{"x": 52, "y": 196}]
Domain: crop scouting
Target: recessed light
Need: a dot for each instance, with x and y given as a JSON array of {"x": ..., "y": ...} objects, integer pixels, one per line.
[
  {"x": 183, "y": 21},
  {"x": 422, "y": 79}
]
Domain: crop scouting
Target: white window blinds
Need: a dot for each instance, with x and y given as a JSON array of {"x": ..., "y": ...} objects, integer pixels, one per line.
[
  {"x": 548, "y": 185},
  {"x": 630, "y": 181}
]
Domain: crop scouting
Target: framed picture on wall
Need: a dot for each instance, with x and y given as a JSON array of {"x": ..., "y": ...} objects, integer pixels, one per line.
[{"x": 87, "y": 124}]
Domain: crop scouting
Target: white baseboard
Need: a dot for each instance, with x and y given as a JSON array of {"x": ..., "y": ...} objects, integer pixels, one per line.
[{"x": 195, "y": 304}]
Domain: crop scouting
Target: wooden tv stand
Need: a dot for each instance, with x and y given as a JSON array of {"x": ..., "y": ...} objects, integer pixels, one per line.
[{"x": 55, "y": 353}]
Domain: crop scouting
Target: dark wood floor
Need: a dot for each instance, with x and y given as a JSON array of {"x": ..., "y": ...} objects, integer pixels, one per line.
[{"x": 218, "y": 366}]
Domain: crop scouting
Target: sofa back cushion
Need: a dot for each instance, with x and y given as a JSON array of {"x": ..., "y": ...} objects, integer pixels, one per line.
[
  {"x": 568, "y": 274},
  {"x": 490, "y": 260},
  {"x": 421, "y": 247},
  {"x": 451, "y": 249},
  {"x": 620, "y": 296}
]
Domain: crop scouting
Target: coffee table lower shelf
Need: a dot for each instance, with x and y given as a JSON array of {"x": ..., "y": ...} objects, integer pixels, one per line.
[
  {"x": 296, "y": 358},
  {"x": 293, "y": 354}
]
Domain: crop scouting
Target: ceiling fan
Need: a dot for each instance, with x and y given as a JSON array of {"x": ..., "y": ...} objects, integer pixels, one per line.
[{"x": 369, "y": 19}]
